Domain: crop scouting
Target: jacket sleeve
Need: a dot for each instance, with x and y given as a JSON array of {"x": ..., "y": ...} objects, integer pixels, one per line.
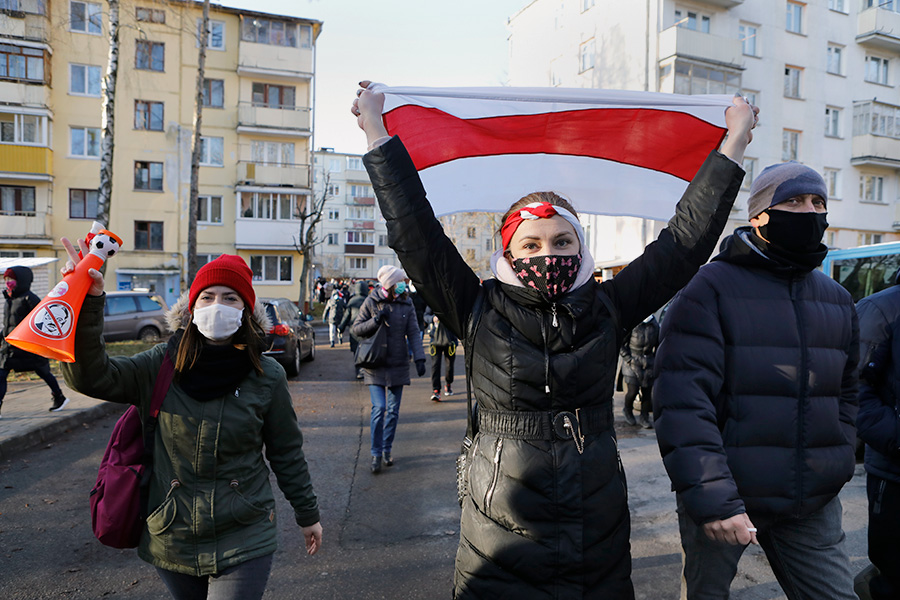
[
  {"x": 284, "y": 451},
  {"x": 430, "y": 259},
  {"x": 877, "y": 422},
  {"x": 365, "y": 324},
  {"x": 413, "y": 337},
  {"x": 126, "y": 380},
  {"x": 686, "y": 243},
  {"x": 690, "y": 366}
]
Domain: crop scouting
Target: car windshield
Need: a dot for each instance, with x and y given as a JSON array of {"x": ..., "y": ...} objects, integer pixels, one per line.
[{"x": 273, "y": 315}]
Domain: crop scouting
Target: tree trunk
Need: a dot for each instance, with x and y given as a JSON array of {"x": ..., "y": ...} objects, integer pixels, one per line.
[
  {"x": 195, "y": 153},
  {"x": 306, "y": 240},
  {"x": 107, "y": 137}
]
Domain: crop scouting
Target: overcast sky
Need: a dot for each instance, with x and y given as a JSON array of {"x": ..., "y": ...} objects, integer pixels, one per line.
[{"x": 396, "y": 42}]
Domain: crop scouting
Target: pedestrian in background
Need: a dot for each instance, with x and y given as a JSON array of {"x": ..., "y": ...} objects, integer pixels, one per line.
[
  {"x": 334, "y": 312},
  {"x": 360, "y": 293},
  {"x": 389, "y": 306},
  {"x": 211, "y": 529},
  {"x": 755, "y": 399},
  {"x": 443, "y": 345},
  {"x": 20, "y": 301},
  {"x": 544, "y": 500},
  {"x": 637, "y": 370},
  {"x": 879, "y": 427}
]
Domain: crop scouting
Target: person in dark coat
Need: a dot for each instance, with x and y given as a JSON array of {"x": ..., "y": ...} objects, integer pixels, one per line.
[
  {"x": 879, "y": 426},
  {"x": 755, "y": 399},
  {"x": 637, "y": 369},
  {"x": 334, "y": 312},
  {"x": 545, "y": 514},
  {"x": 20, "y": 301},
  {"x": 443, "y": 346},
  {"x": 389, "y": 306},
  {"x": 360, "y": 293}
]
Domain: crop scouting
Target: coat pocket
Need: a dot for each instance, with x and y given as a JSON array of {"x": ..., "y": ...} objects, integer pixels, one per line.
[
  {"x": 489, "y": 494},
  {"x": 162, "y": 518},
  {"x": 246, "y": 512}
]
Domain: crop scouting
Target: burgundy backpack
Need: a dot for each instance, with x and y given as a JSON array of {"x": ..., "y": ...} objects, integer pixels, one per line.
[{"x": 118, "y": 498}]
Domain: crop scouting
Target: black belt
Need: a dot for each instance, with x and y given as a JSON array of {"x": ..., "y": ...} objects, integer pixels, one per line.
[{"x": 545, "y": 424}]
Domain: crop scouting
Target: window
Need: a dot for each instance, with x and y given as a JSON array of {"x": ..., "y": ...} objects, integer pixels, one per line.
[
  {"x": 354, "y": 163},
  {"x": 794, "y": 22},
  {"x": 271, "y": 269},
  {"x": 556, "y": 78},
  {"x": 871, "y": 188},
  {"x": 867, "y": 239},
  {"x": 214, "y": 93},
  {"x": 838, "y": 5},
  {"x": 216, "y": 38},
  {"x": 382, "y": 240},
  {"x": 85, "y": 17},
  {"x": 586, "y": 52},
  {"x": 23, "y": 129},
  {"x": 748, "y": 34},
  {"x": 209, "y": 209},
  {"x": 148, "y": 175},
  {"x": 19, "y": 62},
  {"x": 792, "y": 82},
  {"x": 586, "y": 4},
  {"x": 331, "y": 239},
  {"x": 270, "y": 31},
  {"x": 148, "y": 115},
  {"x": 790, "y": 144},
  {"x": 150, "y": 56},
  {"x": 305, "y": 36},
  {"x": 148, "y": 235},
  {"x": 877, "y": 69},
  {"x": 273, "y": 96},
  {"x": 361, "y": 191},
  {"x": 17, "y": 253},
  {"x": 832, "y": 121},
  {"x": 694, "y": 79},
  {"x": 876, "y": 118},
  {"x": 148, "y": 304},
  {"x": 84, "y": 80},
  {"x": 334, "y": 215},
  {"x": 835, "y": 59},
  {"x": 360, "y": 237},
  {"x": 334, "y": 165},
  {"x": 749, "y": 170},
  {"x": 85, "y": 141},
  {"x": 17, "y": 200},
  {"x": 9, "y": 4},
  {"x": 833, "y": 183},
  {"x": 150, "y": 15},
  {"x": 361, "y": 212},
  {"x": 272, "y": 153},
  {"x": 212, "y": 151},
  {"x": 358, "y": 263},
  {"x": 269, "y": 206},
  {"x": 83, "y": 204},
  {"x": 752, "y": 96},
  {"x": 471, "y": 233},
  {"x": 692, "y": 20},
  {"x": 333, "y": 189},
  {"x": 893, "y": 5}
]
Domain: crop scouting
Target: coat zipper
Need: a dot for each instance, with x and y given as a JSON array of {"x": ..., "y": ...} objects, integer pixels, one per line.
[
  {"x": 546, "y": 353},
  {"x": 489, "y": 494},
  {"x": 803, "y": 391},
  {"x": 555, "y": 322}
]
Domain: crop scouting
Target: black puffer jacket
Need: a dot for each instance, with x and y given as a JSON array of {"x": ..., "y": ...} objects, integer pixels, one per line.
[
  {"x": 639, "y": 352},
  {"x": 360, "y": 293},
  {"x": 755, "y": 396},
  {"x": 18, "y": 305},
  {"x": 879, "y": 386},
  {"x": 399, "y": 316},
  {"x": 542, "y": 520}
]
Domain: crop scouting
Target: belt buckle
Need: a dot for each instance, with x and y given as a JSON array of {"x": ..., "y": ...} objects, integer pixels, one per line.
[{"x": 566, "y": 425}]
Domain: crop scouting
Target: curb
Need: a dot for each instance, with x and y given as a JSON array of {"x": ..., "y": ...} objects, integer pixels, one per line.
[{"x": 47, "y": 433}]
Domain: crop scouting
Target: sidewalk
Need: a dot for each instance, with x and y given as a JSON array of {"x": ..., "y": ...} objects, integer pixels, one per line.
[{"x": 25, "y": 419}]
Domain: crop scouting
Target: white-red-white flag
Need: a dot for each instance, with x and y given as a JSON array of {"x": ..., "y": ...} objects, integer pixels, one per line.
[{"x": 609, "y": 152}]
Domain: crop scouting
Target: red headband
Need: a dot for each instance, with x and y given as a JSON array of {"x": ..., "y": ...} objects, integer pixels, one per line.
[{"x": 544, "y": 210}]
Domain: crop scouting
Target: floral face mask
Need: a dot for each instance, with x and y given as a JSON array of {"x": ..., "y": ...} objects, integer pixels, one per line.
[{"x": 552, "y": 275}]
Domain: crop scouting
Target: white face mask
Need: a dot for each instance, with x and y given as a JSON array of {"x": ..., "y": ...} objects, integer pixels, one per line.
[{"x": 217, "y": 322}]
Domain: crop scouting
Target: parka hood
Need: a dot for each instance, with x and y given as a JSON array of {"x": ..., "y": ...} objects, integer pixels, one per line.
[
  {"x": 23, "y": 277},
  {"x": 179, "y": 316}
]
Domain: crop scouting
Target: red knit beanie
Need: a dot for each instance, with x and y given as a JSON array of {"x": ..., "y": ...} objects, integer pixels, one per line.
[{"x": 228, "y": 270}]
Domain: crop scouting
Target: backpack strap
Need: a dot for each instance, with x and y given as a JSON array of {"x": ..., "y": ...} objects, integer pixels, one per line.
[
  {"x": 474, "y": 320},
  {"x": 163, "y": 381}
]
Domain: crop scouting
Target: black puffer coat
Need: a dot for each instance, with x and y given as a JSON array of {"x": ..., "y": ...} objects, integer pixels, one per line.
[
  {"x": 360, "y": 293},
  {"x": 639, "y": 352},
  {"x": 755, "y": 396},
  {"x": 879, "y": 386},
  {"x": 541, "y": 519},
  {"x": 18, "y": 305}
]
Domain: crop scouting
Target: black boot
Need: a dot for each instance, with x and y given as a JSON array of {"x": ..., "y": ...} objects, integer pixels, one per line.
[
  {"x": 628, "y": 411},
  {"x": 376, "y": 464},
  {"x": 646, "y": 421}
]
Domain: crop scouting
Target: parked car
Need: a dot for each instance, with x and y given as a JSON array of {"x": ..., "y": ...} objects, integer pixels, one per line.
[
  {"x": 134, "y": 316},
  {"x": 291, "y": 339}
]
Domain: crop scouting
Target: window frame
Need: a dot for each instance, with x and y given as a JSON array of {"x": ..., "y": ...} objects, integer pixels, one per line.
[
  {"x": 206, "y": 154},
  {"x": 789, "y": 18},
  {"x": 85, "y": 80},
  {"x": 833, "y": 121},
  {"x": 28, "y": 56},
  {"x": 151, "y": 46},
  {"x": 19, "y": 128},
  {"x": 150, "y": 236},
  {"x": 280, "y": 261},
  {"x": 877, "y": 187},
  {"x": 152, "y": 13},
  {"x": 882, "y": 69},
  {"x": 207, "y": 200},
  {"x": 790, "y": 137},
  {"x": 358, "y": 263},
  {"x": 838, "y": 51},
  {"x": 89, "y": 18},
  {"x": 587, "y": 55},
  {"x": 209, "y": 38},
  {"x": 832, "y": 179},
  {"x": 147, "y": 117},
  {"x": 251, "y": 27},
  {"x": 208, "y": 93},
  {"x": 85, "y": 146},
  {"x": 265, "y": 91},
  {"x": 84, "y": 202},
  {"x": 749, "y": 166},
  {"x": 147, "y": 165},
  {"x": 789, "y": 80},
  {"x": 743, "y": 26},
  {"x": 21, "y": 210}
]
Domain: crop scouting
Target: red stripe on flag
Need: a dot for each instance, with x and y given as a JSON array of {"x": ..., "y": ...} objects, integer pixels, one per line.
[{"x": 648, "y": 138}]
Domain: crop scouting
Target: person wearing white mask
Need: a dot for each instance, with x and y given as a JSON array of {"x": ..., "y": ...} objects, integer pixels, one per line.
[{"x": 210, "y": 520}]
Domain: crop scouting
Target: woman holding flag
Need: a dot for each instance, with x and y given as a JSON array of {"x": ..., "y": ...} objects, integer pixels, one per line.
[{"x": 546, "y": 513}]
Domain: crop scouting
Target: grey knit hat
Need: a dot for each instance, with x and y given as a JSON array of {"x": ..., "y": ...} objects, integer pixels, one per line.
[
  {"x": 389, "y": 276},
  {"x": 781, "y": 182}
]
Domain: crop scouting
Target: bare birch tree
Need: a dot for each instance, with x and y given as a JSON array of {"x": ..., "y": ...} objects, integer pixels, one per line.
[
  {"x": 195, "y": 153},
  {"x": 309, "y": 215},
  {"x": 108, "y": 119}
]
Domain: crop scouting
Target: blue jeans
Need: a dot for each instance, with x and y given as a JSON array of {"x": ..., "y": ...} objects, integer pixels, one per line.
[
  {"x": 807, "y": 555},
  {"x": 246, "y": 581},
  {"x": 385, "y": 412}
]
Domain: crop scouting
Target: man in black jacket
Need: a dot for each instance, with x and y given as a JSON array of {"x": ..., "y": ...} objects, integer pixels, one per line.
[
  {"x": 755, "y": 399},
  {"x": 879, "y": 427}
]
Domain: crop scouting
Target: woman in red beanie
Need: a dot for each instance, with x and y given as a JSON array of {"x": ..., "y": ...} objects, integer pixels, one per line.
[{"x": 210, "y": 528}]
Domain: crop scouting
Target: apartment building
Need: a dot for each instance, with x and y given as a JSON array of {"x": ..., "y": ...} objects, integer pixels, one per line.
[
  {"x": 824, "y": 73},
  {"x": 352, "y": 231},
  {"x": 255, "y": 173}
]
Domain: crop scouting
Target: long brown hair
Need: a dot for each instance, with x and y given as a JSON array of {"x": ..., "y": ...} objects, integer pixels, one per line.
[
  {"x": 249, "y": 337},
  {"x": 548, "y": 197}
]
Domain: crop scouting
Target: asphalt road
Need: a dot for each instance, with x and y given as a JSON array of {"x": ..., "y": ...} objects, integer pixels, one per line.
[{"x": 390, "y": 536}]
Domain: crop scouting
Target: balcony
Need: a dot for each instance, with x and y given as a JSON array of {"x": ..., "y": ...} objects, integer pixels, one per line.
[
  {"x": 362, "y": 200},
  {"x": 252, "y": 173},
  {"x": 686, "y": 43},
  {"x": 265, "y": 234},
  {"x": 875, "y": 150},
  {"x": 283, "y": 121},
  {"x": 26, "y": 162},
  {"x": 879, "y": 28},
  {"x": 722, "y": 3},
  {"x": 33, "y": 226},
  {"x": 358, "y": 225},
  {"x": 25, "y": 26},
  {"x": 359, "y": 249},
  {"x": 275, "y": 61}
]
